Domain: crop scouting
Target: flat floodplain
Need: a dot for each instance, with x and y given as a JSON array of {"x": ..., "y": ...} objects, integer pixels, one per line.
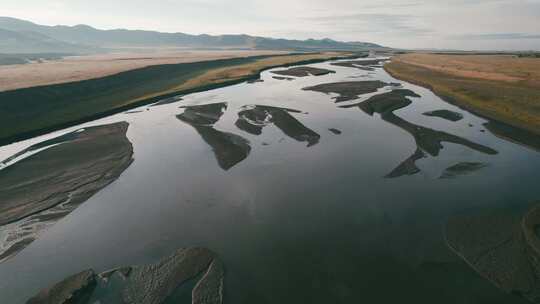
[
  {"x": 303, "y": 199},
  {"x": 77, "y": 68}
]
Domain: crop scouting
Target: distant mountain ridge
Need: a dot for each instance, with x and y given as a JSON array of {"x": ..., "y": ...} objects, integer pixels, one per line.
[
  {"x": 34, "y": 42},
  {"x": 86, "y": 39}
]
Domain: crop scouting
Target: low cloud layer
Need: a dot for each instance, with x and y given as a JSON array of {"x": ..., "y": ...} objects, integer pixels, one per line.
[
  {"x": 500, "y": 36},
  {"x": 456, "y": 24}
]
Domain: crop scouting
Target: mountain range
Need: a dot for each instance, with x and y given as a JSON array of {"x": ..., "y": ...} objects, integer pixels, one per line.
[{"x": 20, "y": 36}]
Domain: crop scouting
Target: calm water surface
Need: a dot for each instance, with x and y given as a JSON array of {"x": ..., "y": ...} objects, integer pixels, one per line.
[{"x": 304, "y": 215}]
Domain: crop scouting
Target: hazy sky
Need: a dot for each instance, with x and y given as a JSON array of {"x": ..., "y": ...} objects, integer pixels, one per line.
[{"x": 464, "y": 24}]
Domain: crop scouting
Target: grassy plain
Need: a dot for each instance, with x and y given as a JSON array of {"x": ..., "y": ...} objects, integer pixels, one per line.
[
  {"x": 56, "y": 70},
  {"x": 501, "y": 87}
]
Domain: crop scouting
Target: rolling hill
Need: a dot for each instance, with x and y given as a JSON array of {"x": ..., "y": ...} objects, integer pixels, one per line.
[
  {"x": 61, "y": 38},
  {"x": 34, "y": 42}
]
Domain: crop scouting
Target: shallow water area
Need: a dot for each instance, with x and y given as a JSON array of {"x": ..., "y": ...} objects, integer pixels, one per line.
[{"x": 296, "y": 212}]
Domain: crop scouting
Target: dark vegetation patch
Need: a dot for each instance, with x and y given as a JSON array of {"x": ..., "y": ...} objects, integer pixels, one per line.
[
  {"x": 445, "y": 114},
  {"x": 335, "y": 131},
  {"x": 529, "y": 55},
  {"x": 282, "y": 78},
  {"x": 303, "y": 71},
  {"x": 463, "y": 168},
  {"x": 251, "y": 81},
  {"x": 349, "y": 90}
]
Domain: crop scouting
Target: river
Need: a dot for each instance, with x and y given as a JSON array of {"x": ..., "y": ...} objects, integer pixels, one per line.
[{"x": 303, "y": 199}]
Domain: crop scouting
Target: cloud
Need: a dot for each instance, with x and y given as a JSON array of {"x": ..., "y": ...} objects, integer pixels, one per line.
[
  {"x": 392, "y": 5},
  {"x": 463, "y": 24},
  {"x": 498, "y": 36},
  {"x": 373, "y": 23}
]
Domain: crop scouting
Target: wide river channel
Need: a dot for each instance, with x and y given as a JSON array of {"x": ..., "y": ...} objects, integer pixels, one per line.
[{"x": 303, "y": 199}]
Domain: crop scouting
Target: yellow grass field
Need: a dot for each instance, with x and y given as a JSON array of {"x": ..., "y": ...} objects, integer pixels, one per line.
[
  {"x": 502, "y": 87},
  {"x": 77, "y": 68}
]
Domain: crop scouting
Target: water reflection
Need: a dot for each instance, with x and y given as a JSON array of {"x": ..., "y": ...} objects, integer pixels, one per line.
[
  {"x": 427, "y": 140},
  {"x": 513, "y": 134},
  {"x": 42, "y": 188},
  {"x": 229, "y": 149},
  {"x": 254, "y": 118}
]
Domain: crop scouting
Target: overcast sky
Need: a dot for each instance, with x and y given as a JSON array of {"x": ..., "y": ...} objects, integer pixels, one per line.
[{"x": 458, "y": 24}]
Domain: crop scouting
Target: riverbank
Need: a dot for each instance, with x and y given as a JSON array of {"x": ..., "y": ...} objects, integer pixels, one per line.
[
  {"x": 38, "y": 110},
  {"x": 500, "y": 87}
]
